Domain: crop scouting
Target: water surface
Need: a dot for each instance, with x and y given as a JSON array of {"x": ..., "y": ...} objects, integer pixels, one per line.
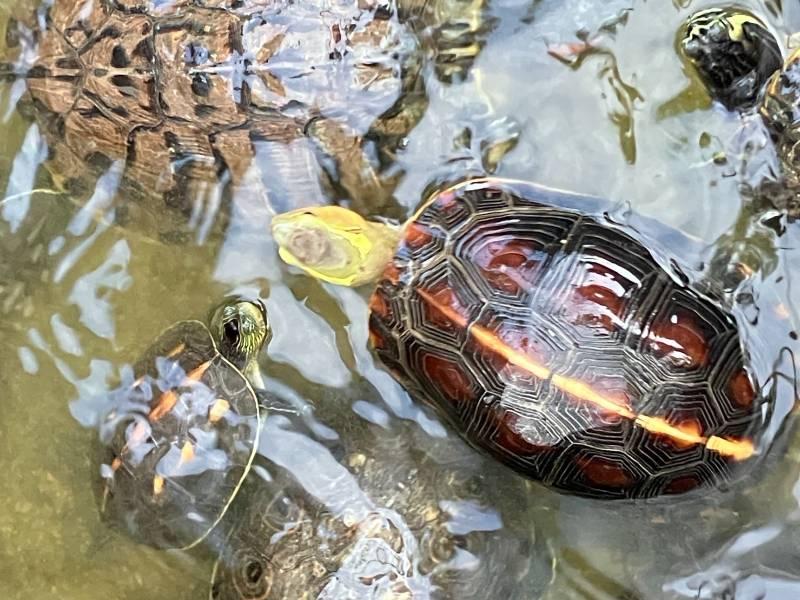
[{"x": 80, "y": 299}]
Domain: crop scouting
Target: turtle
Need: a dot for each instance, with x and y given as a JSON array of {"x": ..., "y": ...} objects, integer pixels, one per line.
[
  {"x": 291, "y": 102},
  {"x": 740, "y": 63},
  {"x": 179, "y": 440},
  {"x": 733, "y": 52},
  {"x": 572, "y": 348},
  {"x": 387, "y": 512},
  {"x": 196, "y": 449}
]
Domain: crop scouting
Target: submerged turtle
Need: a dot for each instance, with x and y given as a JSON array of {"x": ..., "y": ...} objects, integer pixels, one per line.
[
  {"x": 739, "y": 61},
  {"x": 398, "y": 515},
  {"x": 187, "y": 450},
  {"x": 734, "y": 54},
  {"x": 304, "y": 101},
  {"x": 180, "y": 439},
  {"x": 571, "y": 348}
]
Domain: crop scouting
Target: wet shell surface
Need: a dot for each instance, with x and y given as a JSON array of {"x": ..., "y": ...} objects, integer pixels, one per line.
[
  {"x": 178, "y": 441},
  {"x": 184, "y": 98},
  {"x": 559, "y": 343}
]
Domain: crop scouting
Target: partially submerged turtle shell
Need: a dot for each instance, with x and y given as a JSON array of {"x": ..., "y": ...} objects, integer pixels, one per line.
[
  {"x": 391, "y": 512},
  {"x": 570, "y": 348},
  {"x": 185, "y": 98},
  {"x": 179, "y": 441}
]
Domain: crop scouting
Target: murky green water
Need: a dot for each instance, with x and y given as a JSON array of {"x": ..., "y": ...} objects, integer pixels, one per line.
[{"x": 80, "y": 299}]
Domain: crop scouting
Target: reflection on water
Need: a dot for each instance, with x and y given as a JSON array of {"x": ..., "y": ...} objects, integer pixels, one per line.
[{"x": 583, "y": 95}]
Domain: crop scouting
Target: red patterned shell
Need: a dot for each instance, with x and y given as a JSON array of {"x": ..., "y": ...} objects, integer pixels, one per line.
[{"x": 556, "y": 342}]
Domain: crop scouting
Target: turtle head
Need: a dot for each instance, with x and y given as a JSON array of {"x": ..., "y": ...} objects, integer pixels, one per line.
[
  {"x": 733, "y": 52},
  {"x": 334, "y": 244},
  {"x": 241, "y": 329}
]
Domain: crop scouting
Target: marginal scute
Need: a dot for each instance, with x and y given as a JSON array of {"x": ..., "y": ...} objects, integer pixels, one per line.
[
  {"x": 606, "y": 473},
  {"x": 682, "y": 484},
  {"x": 741, "y": 389},
  {"x": 379, "y": 305},
  {"x": 597, "y": 372}
]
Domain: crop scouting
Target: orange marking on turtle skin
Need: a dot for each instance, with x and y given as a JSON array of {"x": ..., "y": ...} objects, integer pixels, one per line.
[
  {"x": 741, "y": 389},
  {"x": 116, "y": 463},
  {"x": 165, "y": 403},
  {"x": 158, "y": 485},
  {"x": 176, "y": 350},
  {"x": 735, "y": 449},
  {"x": 218, "y": 410},
  {"x": 187, "y": 453},
  {"x": 168, "y": 399}
]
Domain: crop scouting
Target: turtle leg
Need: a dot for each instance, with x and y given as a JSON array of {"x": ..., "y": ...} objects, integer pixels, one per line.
[
  {"x": 353, "y": 168},
  {"x": 176, "y": 174},
  {"x": 750, "y": 246},
  {"x": 456, "y": 32},
  {"x": 272, "y": 166}
]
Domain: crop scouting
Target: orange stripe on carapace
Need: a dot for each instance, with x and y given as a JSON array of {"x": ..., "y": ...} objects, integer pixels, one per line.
[
  {"x": 168, "y": 399},
  {"x": 735, "y": 449}
]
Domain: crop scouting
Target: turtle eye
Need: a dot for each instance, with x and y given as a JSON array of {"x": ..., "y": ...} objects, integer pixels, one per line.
[
  {"x": 253, "y": 572},
  {"x": 231, "y": 332}
]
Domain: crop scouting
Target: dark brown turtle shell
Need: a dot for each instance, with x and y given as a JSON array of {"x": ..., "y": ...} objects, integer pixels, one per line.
[
  {"x": 565, "y": 345},
  {"x": 297, "y": 103},
  {"x": 178, "y": 441}
]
